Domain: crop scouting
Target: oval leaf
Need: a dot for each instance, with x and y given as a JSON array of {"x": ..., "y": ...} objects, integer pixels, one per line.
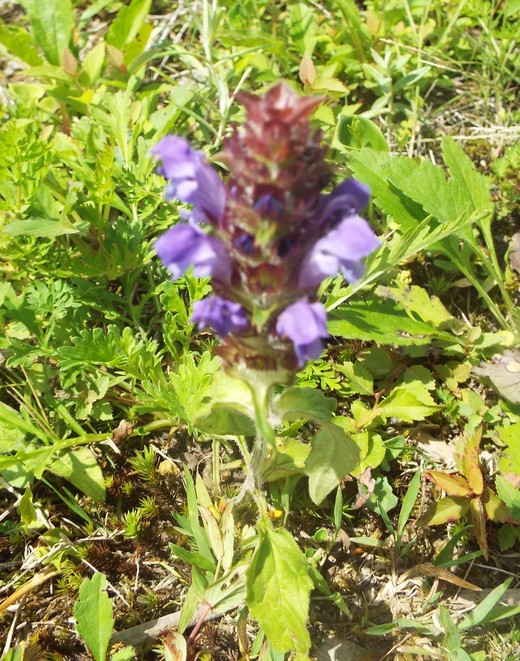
[
  {"x": 332, "y": 457},
  {"x": 278, "y": 589}
]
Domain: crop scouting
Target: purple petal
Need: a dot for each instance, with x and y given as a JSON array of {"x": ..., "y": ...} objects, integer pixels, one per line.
[
  {"x": 341, "y": 250},
  {"x": 305, "y": 324},
  {"x": 190, "y": 178},
  {"x": 184, "y": 245},
  {"x": 221, "y": 315},
  {"x": 345, "y": 200}
]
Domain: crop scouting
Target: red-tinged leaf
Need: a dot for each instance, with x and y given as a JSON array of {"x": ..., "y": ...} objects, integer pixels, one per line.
[
  {"x": 453, "y": 485},
  {"x": 471, "y": 464},
  {"x": 445, "y": 510},
  {"x": 496, "y": 509},
  {"x": 307, "y": 71},
  {"x": 478, "y": 517}
]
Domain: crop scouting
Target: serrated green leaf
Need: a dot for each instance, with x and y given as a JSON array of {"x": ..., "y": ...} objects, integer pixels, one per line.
[
  {"x": 52, "y": 23},
  {"x": 409, "y": 402},
  {"x": 360, "y": 380},
  {"x": 332, "y": 457},
  {"x": 475, "y": 185},
  {"x": 384, "y": 322},
  {"x": 278, "y": 590},
  {"x": 80, "y": 467},
  {"x": 93, "y": 613},
  {"x": 296, "y": 403},
  {"x": 416, "y": 301},
  {"x": 372, "y": 168}
]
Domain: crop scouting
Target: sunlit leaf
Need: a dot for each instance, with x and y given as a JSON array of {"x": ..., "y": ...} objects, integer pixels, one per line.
[
  {"x": 504, "y": 373},
  {"x": 453, "y": 485},
  {"x": 278, "y": 589},
  {"x": 470, "y": 461},
  {"x": 445, "y": 510}
]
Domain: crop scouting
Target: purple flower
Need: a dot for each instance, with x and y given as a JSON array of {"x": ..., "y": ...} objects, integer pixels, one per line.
[
  {"x": 186, "y": 245},
  {"x": 191, "y": 178},
  {"x": 345, "y": 200},
  {"x": 305, "y": 324},
  {"x": 342, "y": 249},
  {"x": 221, "y": 315}
]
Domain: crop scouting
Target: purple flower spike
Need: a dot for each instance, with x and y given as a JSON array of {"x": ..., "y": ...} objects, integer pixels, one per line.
[
  {"x": 191, "y": 178},
  {"x": 342, "y": 249},
  {"x": 221, "y": 315},
  {"x": 305, "y": 324},
  {"x": 186, "y": 245}
]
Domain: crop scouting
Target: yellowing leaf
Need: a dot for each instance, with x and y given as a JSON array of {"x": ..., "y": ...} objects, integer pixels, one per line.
[
  {"x": 471, "y": 464},
  {"x": 307, "y": 70},
  {"x": 478, "y": 517},
  {"x": 453, "y": 485},
  {"x": 445, "y": 510},
  {"x": 496, "y": 509}
]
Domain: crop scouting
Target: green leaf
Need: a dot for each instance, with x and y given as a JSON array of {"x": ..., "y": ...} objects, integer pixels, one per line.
[
  {"x": 296, "y": 403},
  {"x": 42, "y": 227},
  {"x": 20, "y": 43},
  {"x": 510, "y": 495},
  {"x": 127, "y": 23},
  {"x": 225, "y": 419},
  {"x": 360, "y": 380},
  {"x": 332, "y": 457},
  {"x": 93, "y": 613},
  {"x": 93, "y": 62},
  {"x": 15, "y": 420},
  {"x": 354, "y": 132},
  {"x": 278, "y": 589},
  {"x": 29, "y": 515},
  {"x": 373, "y": 168},
  {"x": 416, "y": 302},
  {"x": 384, "y": 322},
  {"x": 475, "y": 186},
  {"x": 228, "y": 408},
  {"x": 409, "y": 402},
  {"x": 481, "y": 612},
  {"x": 507, "y": 536},
  {"x": 80, "y": 467},
  {"x": 289, "y": 459},
  {"x": 52, "y": 23},
  {"x": 408, "y": 502},
  {"x": 192, "y": 558}
]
